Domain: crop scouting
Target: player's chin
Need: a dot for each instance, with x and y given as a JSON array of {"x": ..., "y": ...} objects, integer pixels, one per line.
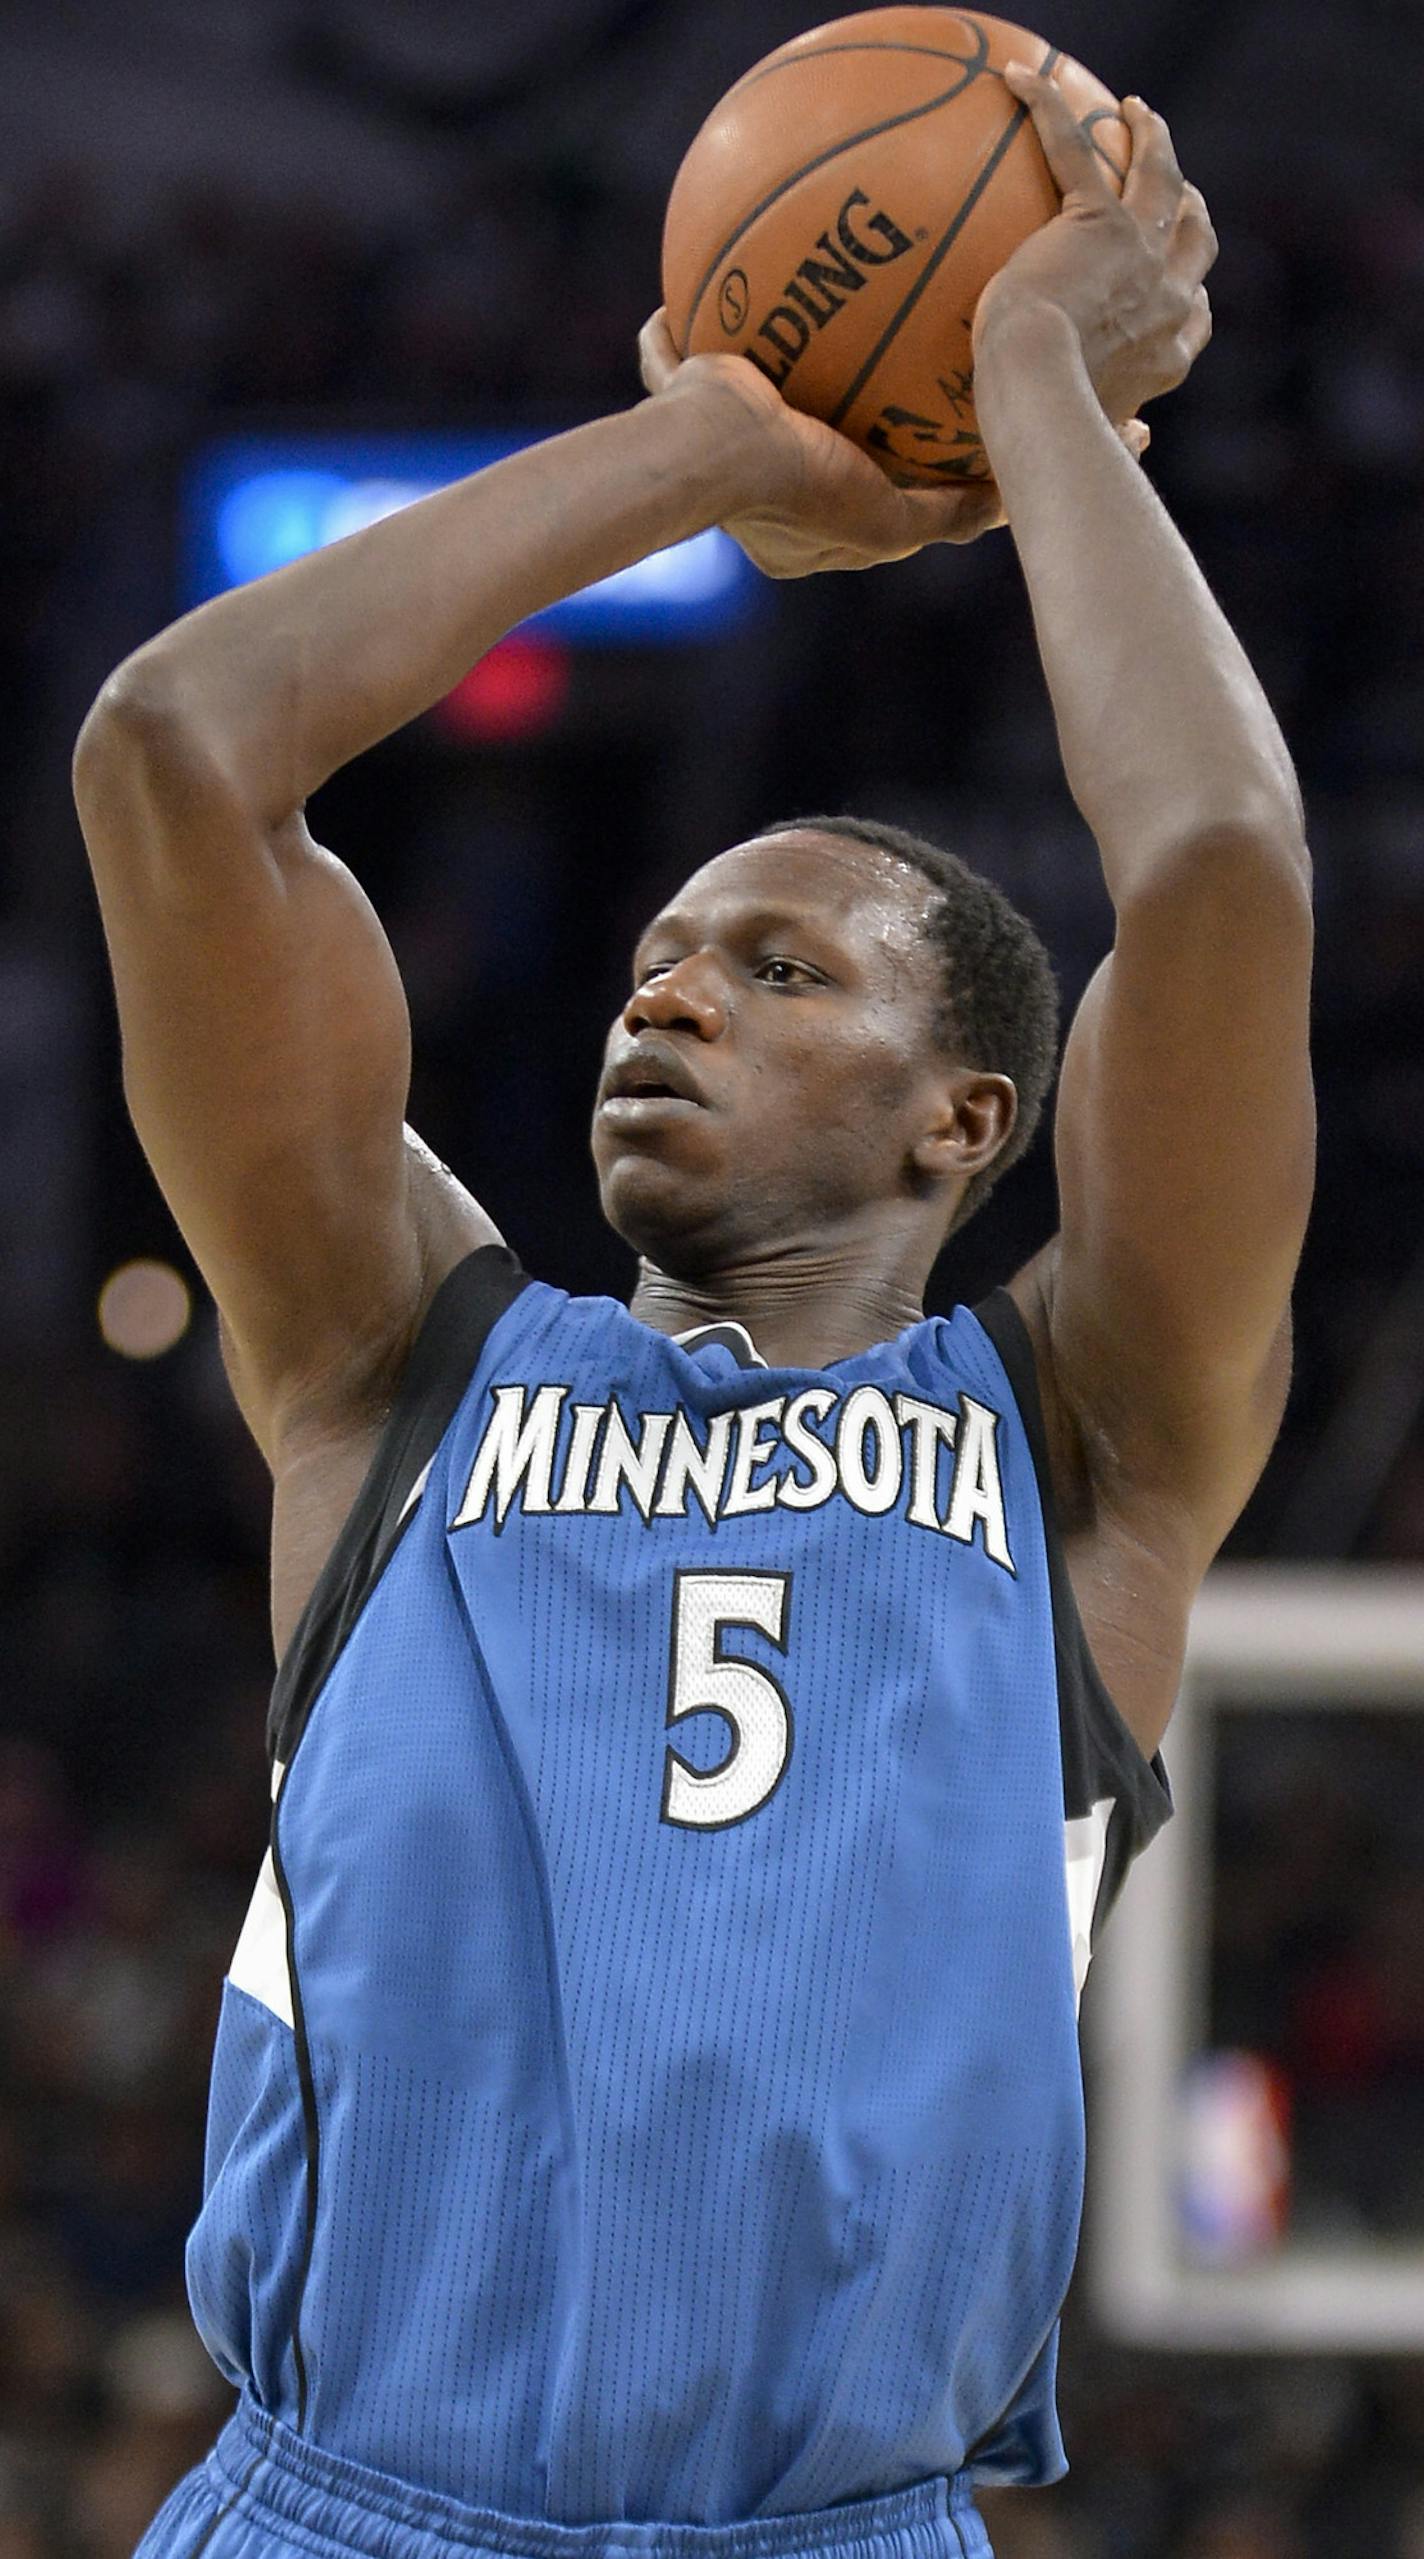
[{"x": 664, "y": 1205}]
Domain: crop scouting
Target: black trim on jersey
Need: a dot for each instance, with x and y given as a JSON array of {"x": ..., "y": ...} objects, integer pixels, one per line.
[
  {"x": 311, "y": 2126},
  {"x": 461, "y": 1315},
  {"x": 1100, "y": 1756}
]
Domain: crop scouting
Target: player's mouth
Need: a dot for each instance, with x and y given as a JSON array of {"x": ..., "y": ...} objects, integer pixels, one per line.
[{"x": 649, "y": 1084}]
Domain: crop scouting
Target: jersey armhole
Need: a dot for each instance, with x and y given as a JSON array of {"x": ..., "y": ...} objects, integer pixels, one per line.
[
  {"x": 458, "y": 1322},
  {"x": 1102, "y": 1761}
]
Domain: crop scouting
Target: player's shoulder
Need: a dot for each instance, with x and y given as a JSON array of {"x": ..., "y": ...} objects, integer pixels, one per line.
[
  {"x": 980, "y": 1347},
  {"x": 453, "y": 1229},
  {"x": 449, "y": 1221},
  {"x": 480, "y": 1303}
]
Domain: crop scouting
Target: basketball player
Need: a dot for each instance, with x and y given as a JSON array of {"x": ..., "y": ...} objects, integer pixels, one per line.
[{"x": 646, "y": 2114}]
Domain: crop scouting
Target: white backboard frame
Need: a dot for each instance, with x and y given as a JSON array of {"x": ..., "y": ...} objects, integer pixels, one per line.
[{"x": 1308, "y": 1636}]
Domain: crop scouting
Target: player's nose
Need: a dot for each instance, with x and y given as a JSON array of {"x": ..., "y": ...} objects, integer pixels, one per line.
[{"x": 691, "y": 995}]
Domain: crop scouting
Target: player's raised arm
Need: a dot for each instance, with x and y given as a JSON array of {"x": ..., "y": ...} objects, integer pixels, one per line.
[
  {"x": 1185, "y": 1123},
  {"x": 265, "y": 1036}
]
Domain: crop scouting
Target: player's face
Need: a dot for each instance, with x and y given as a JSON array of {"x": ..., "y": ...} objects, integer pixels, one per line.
[{"x": 767, "y": 1079}]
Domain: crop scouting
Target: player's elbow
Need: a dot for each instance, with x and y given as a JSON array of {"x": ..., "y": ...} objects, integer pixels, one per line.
[
  {"x": 134, "y": 718},
  {"x": 158, "y": 808},
  {"x": 152, "y": 782},
  {"x": 1268, "y": 842},
  {"x": 1253, "y": 866}
]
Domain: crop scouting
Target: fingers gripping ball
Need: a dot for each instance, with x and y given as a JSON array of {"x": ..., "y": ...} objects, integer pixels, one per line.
[{"x": 842, "y": 209}]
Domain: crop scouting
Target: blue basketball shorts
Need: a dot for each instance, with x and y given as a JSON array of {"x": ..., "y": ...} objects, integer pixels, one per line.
[{"x": 266, "y": 2493}]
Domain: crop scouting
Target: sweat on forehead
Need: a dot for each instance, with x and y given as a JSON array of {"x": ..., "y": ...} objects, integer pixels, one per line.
[{"x": 826, "y": 870}]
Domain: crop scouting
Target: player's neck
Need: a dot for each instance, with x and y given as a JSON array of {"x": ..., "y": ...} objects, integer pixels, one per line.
[{"x": 801, "y": 1310}]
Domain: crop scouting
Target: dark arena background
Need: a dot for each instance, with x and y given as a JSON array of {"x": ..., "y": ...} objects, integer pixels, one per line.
[{"x": 266, "y": 267}]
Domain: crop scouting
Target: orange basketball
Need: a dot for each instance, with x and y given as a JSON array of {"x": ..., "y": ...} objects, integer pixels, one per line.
[{"x": 842, "y": 209}]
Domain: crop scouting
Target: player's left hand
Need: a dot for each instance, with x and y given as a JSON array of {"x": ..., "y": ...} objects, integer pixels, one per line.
[{"x": 1127, "y": 271}]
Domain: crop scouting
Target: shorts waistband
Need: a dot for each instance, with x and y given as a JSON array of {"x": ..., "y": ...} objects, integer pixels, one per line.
[{"x": 325, "y": 2503}]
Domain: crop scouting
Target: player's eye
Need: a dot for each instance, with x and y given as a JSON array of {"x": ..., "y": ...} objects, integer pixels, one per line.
[{"x": 778, "y": 971}]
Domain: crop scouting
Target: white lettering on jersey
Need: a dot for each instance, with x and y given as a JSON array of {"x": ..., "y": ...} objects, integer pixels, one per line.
[
  {"x": 620, "y": 1462},
  {"x": 573, "y": 1496},
  {"x": 977, "y": 1492},
  {"x": 755, "y": 1448},
  {"x": 515, "y": 1455},
  {"x": 754, "y": 1704},
  {"x": 700, "y": 1469},
  {"x": 866, "y": 1415},
  {"x": 792, "y": 1453},
  {"x": 930, "y": 1428},
  {"x": 812, "y": 1451}
]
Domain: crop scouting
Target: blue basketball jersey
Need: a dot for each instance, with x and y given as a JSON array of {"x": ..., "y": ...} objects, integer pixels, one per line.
[{"x": 647, "y": 2083}]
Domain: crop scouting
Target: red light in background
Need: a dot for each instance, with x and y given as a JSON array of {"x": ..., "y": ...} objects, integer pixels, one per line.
[{"x": 518, "y": 691}]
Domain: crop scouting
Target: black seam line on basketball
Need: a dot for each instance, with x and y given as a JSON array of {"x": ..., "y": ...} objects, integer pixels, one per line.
[
  {"x": 1103, "y": 115},
  {"x": 311, "y": 2131},
  {"x": 225, "y": 2510},
  {"x": 850, "y": 142},
  {"x": 877, "y": 44},
  {"x": 938, "y": 254}
]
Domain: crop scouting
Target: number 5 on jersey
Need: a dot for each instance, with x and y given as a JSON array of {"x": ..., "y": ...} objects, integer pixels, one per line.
[{"x": 702, "y": 1674}]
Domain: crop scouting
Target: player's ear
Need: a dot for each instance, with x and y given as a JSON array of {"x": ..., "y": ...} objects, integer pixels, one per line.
[{"x": 972, "y": 1120}]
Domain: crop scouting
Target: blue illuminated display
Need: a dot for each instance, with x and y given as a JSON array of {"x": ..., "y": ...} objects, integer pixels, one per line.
[{"x": 251, "y": 504}]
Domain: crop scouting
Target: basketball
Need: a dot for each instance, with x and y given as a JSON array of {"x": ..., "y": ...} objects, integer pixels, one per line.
[{"x": 843, "y": 207}]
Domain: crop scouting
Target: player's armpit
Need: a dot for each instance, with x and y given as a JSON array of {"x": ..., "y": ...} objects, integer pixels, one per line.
[
  {"x": 266, "y": 1055},
  {"x": 1184, "y": 1141}
]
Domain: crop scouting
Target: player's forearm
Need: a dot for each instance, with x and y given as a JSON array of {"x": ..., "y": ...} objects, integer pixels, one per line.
[
  {"x": 287, "y": 679},
  {"x": 1166, "y": 736}
]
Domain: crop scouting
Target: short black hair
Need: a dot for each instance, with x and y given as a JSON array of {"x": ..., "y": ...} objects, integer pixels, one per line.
[{"x": 998, "y": 1005}]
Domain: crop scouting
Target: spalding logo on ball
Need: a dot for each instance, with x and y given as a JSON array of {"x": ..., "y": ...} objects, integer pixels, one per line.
[{"x": 844, "y": 206}]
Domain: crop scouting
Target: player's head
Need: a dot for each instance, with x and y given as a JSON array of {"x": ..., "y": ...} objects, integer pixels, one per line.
[{"x": 835, "y": 1029}]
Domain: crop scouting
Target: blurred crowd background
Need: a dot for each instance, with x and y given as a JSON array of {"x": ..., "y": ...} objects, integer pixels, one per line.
[{"x": 338, "y": 212}]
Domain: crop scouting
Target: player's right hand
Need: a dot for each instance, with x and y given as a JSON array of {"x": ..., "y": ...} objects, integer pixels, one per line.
[
  {"x": 1128, "y": 272},
  {"x": 814, "y": 500}
]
